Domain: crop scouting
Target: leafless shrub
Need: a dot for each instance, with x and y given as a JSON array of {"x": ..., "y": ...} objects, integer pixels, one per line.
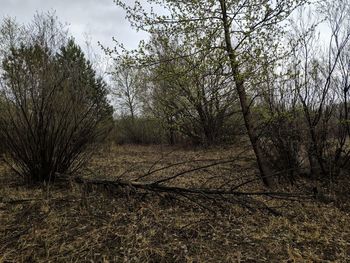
[{"x": 52, "y": 111}]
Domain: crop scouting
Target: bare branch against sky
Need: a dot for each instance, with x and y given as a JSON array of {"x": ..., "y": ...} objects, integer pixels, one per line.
[{"x": 99, "y": 19}]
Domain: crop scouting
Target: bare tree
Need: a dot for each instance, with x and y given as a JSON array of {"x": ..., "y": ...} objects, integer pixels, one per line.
[
  {"x": 127, "y": 88},
  {"x": 308, "y": 99}
]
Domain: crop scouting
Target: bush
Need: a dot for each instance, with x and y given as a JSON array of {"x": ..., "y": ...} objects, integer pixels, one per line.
[
  {"x": 281, "y": 143},
  {"x": 54, "y": 109},
  {"x": 138, "y": 131}
]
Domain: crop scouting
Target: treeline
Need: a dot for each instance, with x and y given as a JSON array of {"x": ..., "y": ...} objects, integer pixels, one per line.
[
  {"x": 179, "y": 99},
  {"x": 211, "y": 72}
]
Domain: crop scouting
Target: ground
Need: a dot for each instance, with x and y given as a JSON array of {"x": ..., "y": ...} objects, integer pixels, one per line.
[{"x": 67, "y": 222}]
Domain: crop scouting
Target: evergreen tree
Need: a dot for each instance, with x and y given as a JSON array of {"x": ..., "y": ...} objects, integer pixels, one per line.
[{"x": 80, "y": 72}]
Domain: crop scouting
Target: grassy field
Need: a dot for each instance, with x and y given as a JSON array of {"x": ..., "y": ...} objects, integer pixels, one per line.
[{"x": 68, "y": 222}]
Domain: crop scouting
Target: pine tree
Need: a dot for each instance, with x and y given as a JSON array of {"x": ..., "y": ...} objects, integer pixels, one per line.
[{"x": 80, "y": 73}]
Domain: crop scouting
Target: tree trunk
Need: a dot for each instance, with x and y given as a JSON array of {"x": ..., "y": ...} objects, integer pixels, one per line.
[{"x": 239, "y": 81}]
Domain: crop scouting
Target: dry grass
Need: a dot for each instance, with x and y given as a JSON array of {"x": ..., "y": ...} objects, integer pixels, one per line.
[{"x": 71, "y": 223}]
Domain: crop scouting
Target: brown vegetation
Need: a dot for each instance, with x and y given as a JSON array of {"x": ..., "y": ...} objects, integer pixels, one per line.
[
  {"x": 71, "y": 222},
  {"x": 255, "y": 111}
]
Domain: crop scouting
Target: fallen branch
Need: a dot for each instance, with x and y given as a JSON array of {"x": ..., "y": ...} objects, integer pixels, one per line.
[{"x": 156, "y": 187}]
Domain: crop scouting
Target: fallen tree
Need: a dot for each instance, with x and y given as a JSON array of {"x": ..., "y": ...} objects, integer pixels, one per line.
[{"x": 234, "y": 194}]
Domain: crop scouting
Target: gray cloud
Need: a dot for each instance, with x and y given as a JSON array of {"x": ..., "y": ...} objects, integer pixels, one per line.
[{"x": 100, "y": 19}]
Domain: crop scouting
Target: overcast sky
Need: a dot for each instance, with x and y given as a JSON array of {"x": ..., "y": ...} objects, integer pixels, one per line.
[{"x": 100, "y": 19}]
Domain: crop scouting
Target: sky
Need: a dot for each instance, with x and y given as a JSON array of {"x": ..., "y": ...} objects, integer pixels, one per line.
[{"x": 93, "y": 20}]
